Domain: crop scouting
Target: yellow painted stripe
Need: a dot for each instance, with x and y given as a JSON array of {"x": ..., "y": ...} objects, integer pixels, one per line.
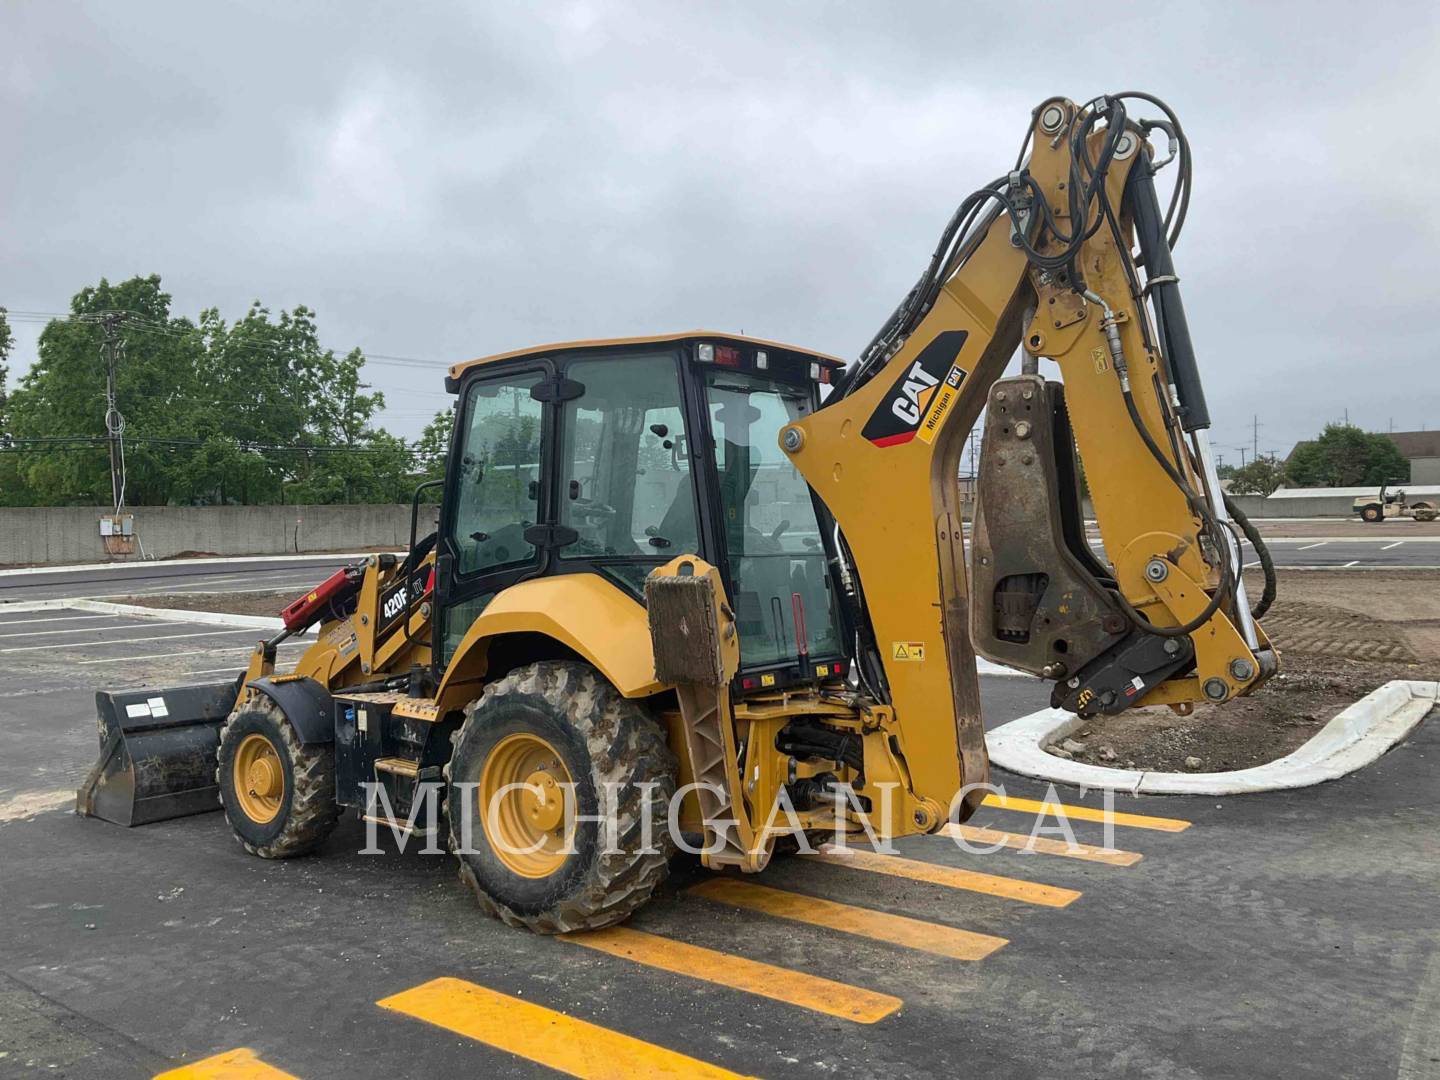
[
  {"x": 781, "y": 984},
  {"x": 542, "y": 1035},
  {"x": 1031, "y": 892},
  {"x": 1086, "y": 813},
  {"x": 241, "y": 1064},
  {"x": 1043, "y": 844},
  {"x": 862, "y": 922}
]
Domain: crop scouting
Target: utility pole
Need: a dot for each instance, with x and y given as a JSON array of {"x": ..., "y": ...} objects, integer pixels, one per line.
[
  {"x": 1255, "y": 438},
  {"x": 112, "y": 347}
]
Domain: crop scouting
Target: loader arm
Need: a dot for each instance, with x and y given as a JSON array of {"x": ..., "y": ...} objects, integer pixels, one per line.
[{"x": 1042, "y": 261}]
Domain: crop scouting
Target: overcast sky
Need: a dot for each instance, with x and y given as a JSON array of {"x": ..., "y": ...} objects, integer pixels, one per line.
[{"x": 445, "y": 181}]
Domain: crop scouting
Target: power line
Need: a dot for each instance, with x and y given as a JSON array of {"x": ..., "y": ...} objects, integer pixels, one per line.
[
  {"x": 149, "y": 325},
  {"x": 93, "y": 442}
]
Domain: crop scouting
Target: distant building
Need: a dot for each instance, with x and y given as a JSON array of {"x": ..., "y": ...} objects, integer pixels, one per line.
[{"x": 1422, "y": 448}]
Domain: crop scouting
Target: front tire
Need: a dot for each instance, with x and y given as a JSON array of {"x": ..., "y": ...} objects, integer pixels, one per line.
[
  {"x": 278, "y": 794},
  {"x": 548, "y": 725}
]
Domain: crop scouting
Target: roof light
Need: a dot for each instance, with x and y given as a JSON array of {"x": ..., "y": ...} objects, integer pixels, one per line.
[
  {"x": 727, "y": 356},
  {"x": 705, "y": 352},
  {"x": 762, "y": 361},
  {"x": 825, "y": 376},
  {"x": 815, "y": 372}
]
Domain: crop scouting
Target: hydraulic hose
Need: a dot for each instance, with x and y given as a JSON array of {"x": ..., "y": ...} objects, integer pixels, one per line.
[{"x": 1267, "y": 565}]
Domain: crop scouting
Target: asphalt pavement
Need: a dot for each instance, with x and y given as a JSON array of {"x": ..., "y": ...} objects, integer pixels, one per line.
[
  {"x": 1286, "y": 935},
  {"x": 169, "y": 576}
]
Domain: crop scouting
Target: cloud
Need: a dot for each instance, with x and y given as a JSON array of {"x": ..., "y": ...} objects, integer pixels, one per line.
[{"x": 464, "y": 179}]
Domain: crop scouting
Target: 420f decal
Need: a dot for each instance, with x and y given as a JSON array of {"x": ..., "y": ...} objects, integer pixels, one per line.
[{"x": 913, "y": 397}]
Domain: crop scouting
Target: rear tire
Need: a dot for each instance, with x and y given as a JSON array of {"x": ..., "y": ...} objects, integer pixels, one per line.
[
  {"x": 1372, "y": 513},
  {"x": 278, "y": 794},
  {"x": 560, "y": 720}
]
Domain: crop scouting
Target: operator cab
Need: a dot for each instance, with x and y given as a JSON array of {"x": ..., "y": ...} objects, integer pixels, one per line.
[{"x": 613, "y": 457}]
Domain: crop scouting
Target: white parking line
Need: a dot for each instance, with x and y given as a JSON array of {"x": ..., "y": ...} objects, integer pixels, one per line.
[
  {"x": 125, "y": 641},
  {"x": 1307, "y": 547},
  {"x": 55, "y": 618},
  {"x": 1396, "y": 544},
  {"x": 1355, "y": 563},
  {"x": 89, "y": 630}
]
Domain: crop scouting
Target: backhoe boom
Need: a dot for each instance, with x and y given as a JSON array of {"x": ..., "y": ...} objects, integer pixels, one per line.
[{"x": 1055, "y": 275}]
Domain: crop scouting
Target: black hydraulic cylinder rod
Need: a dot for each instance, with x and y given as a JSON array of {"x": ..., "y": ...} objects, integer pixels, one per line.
[{"x": 1164, "y": 288}]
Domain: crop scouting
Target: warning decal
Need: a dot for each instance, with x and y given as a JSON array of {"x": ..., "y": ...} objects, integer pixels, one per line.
[{"x": 907, "y": 650}]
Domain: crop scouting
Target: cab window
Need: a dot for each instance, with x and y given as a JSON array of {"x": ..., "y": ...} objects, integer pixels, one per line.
[
  {"x": 625, "y": 485},
  {"x": 498, "y": 479}
]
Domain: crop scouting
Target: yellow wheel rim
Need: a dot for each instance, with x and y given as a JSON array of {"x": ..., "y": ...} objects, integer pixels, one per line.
[
  {"x": 525, "y": 824},
  {"x": 259, "y": 777}
]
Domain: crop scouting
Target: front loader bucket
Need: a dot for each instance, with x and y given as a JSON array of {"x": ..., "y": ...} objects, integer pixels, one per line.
[{"x": 157, "y": 753}]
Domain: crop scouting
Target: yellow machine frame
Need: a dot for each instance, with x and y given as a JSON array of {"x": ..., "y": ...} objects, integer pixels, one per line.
[{"x": 898, "y": 507}]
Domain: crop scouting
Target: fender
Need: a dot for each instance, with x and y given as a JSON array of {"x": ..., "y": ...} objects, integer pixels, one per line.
[
  {"x": 583, "y": 612},
  {"x": 305, "y": 703}
]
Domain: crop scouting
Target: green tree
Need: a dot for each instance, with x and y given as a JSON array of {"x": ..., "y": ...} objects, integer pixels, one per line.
[
  {"x": 433, "y": 447},
  {"x": 63, "y": 396},
  {"x": 1345, "y": 456},
  {"x": 7, "y": 342},
  {"x": 1259, "y": 477},
  {"x": 12, "y": 490},
  {"x": 251, "y": 412}
]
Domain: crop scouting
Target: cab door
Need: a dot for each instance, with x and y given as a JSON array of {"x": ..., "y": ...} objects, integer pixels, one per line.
[{"x": 494, "y": 528}]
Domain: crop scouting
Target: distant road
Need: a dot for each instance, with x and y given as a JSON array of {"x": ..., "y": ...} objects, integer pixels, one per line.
[
  {"x": 254, "y": 575},
  {"x": 176, "y": 576},
  {"x": 1421, "y": 552}
]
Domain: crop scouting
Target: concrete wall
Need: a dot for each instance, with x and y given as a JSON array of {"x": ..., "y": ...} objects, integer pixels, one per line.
[
  {"x": 71, "y": 534},
  {"x": 1425, "y": 470},
  {"x": 1257, "y": 506}
]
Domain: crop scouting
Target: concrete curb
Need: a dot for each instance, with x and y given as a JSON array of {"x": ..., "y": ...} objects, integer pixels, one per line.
[
  {"x": 102, "y": 607},
  {"x": 1358, "y": 735}
]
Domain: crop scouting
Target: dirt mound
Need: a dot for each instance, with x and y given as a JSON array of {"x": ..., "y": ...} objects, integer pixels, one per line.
[
  {"x": 1340, "y": 635},
  {"x": 236, "y": 603}
]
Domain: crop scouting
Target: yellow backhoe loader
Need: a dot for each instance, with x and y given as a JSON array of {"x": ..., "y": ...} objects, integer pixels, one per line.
[{"x": 735, "y": 570}]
